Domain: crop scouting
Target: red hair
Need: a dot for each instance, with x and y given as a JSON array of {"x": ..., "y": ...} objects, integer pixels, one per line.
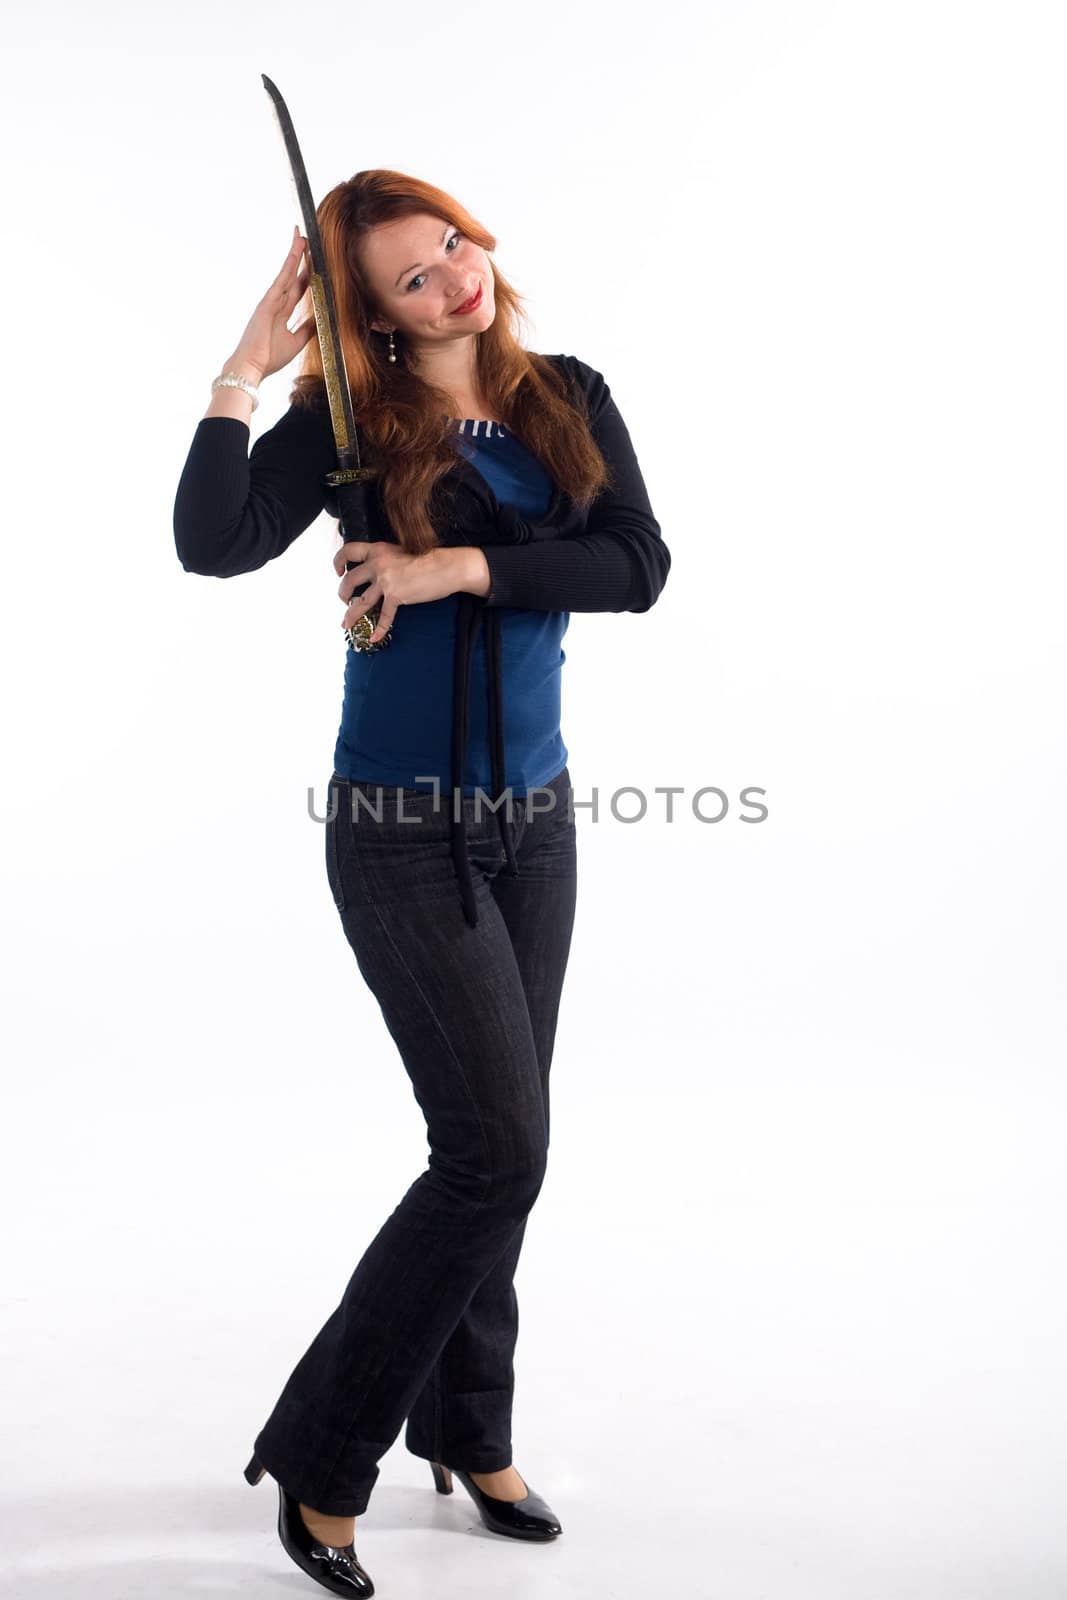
[{"x": 403, "y": 419}]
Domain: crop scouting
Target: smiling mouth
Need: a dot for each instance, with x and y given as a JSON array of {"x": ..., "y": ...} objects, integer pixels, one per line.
[{"x": 470, "y": 304}]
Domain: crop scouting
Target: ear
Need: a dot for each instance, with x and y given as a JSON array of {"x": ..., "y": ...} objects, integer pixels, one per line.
[{"x": 380, "y": 327}]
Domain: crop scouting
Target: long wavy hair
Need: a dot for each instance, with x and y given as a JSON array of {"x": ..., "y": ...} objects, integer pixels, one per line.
[{"x": 405, "y": 429}]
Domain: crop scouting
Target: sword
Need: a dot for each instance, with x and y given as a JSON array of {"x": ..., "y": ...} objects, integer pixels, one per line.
[{"x": 350, "y": 478}]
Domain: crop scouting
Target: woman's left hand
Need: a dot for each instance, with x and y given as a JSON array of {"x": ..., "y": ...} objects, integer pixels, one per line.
[{"x": 396, "y": 578}]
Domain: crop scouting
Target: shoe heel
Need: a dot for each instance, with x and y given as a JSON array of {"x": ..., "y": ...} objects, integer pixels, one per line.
[
  {"x": 254, "y": 1470},
  {"x": 442, "y": 1477}
]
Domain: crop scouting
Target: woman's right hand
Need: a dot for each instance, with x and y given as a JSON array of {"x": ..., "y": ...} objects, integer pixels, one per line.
[{"x": 267, "y": 344}]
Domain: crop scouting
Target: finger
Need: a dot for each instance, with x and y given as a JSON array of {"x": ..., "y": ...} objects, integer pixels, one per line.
[
  {"x": 353, "y": 550},
  {"x": 346, "y": 589},
  {"x": 291, "y": 287},
  {"x": 299, "y": 336},
  {"x": 351, "y": 580},
  {"x": 359, "y": 607},
  {"x": 287, "y": 310},
  {"x": 290, "y": 264},
  {"x": 294, "y": 253},
  {"x": 385, "y": 620}
]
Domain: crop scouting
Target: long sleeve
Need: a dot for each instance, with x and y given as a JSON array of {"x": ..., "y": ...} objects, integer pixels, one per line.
[
  {"x": 618, "y": 563},
  {"x": 236, "y": 510}
]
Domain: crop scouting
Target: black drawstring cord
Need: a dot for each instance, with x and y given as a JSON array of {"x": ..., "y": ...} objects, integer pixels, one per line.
[
  {"x": 468, "y": 615},
  {"x": 495, "y": 683}
]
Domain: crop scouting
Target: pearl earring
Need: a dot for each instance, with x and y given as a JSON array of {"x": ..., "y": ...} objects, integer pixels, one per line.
[{"x": 392, "y": 346}]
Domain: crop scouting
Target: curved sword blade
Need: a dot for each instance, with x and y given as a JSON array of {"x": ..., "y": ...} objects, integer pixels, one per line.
[{"x": 337, "y": 389}]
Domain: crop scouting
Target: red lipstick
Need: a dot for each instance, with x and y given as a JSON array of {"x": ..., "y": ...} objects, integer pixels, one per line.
[{"x": 470, "y": 305}]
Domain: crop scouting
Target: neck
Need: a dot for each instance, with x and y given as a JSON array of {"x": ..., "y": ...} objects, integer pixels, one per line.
[{"x": 450, "y": 366}]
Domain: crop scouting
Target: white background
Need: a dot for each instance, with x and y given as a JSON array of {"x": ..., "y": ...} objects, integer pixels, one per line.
[{"x": 792, "y": 1298}]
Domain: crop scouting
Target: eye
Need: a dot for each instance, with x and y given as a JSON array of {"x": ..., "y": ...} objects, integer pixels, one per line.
[{"x": 452, "y": 239}]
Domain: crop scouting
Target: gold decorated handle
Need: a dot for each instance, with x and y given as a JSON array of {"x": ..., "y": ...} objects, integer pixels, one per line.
[{"x": 358, "y": 635}]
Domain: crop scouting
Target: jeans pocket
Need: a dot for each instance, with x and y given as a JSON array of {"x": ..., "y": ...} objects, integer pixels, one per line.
[{"x": 333, "y": 864}]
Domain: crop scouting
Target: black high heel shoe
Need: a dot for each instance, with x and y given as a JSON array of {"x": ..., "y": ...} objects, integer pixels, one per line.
[
  {"x": 529, "y": 1518},
  {"x": 335, "y": 1567}
]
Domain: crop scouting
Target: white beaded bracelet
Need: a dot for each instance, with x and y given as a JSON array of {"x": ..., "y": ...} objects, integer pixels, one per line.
[{"x": 234, "y": 380}]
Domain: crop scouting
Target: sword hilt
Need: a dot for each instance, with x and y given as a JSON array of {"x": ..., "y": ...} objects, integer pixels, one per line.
[{"x": 359, "y": 633}]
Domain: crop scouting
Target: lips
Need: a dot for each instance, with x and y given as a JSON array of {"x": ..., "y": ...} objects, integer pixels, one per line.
[{"x": 470, "y": 305}]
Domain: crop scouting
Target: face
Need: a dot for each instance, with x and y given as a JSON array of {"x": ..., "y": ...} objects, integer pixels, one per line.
[{"x": 421, "y": 269}]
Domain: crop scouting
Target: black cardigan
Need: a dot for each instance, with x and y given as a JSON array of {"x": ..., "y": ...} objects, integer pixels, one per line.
[{"x": 236, "y": 510}]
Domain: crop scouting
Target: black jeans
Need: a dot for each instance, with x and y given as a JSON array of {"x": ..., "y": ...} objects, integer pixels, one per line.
[{"x": 427, "y": 1325}]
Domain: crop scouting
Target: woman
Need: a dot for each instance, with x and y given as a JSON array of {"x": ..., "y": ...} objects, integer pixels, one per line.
[{"x": 508, "y": 492}]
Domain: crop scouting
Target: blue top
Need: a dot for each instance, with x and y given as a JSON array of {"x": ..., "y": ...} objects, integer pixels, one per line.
[
  {"x": 396, "y": 720},
  {"x": 236, "y": 509}
]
